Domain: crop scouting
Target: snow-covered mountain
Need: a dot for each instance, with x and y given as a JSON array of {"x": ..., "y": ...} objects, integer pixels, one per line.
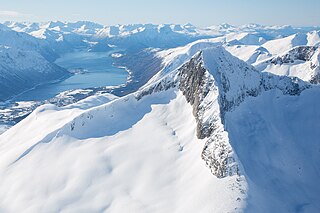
[
  {"x": 25, "y": 62},
  {"x": 226, "y": 123},
  {"x": 81, "y": 27},
  {"x": 197, "y": 137},
  {"x": 279, "y": 46},
  {"x": 21, "y": 70},
  {"x": 269, "y": 32},
  {"x": 63, "y": 36},
  {"x": 140, "y": 36},
  {"x": 296, "y": 55},
  {"x": 301, "y": 61},
  {"x": 26, "y": 42}
]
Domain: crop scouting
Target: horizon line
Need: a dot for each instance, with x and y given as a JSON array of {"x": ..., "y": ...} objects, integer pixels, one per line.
[{"x": 152, "y": 23}]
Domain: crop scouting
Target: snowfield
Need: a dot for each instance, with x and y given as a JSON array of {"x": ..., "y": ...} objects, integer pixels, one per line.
[{"x": 126, "y": 155}]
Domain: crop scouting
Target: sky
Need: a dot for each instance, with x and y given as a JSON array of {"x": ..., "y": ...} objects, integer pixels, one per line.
[{"x": 198, "y": 12}]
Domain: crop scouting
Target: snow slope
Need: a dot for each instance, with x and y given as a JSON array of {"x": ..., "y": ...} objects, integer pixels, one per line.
[
  {"x": 23, "y": 41},
  {"x": 279, "y": 147},
  {"x": 296, "y": 55},
  {"x": 111, "y": 159},
  {"x": 245, "y": 38},
  {"x": 250, "y": 50},
  {"x": 281, "y": 45},
  {"x": 249, "y": 53}
]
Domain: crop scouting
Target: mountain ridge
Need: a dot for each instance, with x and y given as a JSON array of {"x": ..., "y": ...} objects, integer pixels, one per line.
[{"x": 206, "y": 132}]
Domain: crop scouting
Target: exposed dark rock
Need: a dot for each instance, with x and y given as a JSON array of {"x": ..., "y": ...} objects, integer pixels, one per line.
[
  {"x": 194, "y": 87},
  {"x": 315, "y": 79},
  {"x": 303, "y": 53},
  {"x": 158, "y": 87},
  {"x": 195, "y": 84}
]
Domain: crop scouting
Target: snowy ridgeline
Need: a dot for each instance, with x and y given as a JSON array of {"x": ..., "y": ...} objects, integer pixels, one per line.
[{"x": 208, "y": 133}]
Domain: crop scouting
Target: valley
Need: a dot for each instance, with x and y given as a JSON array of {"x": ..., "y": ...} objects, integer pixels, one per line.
[{"x": 97, "y": 71}]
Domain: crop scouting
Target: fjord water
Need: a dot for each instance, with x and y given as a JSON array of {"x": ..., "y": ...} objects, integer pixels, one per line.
[{"x": 99, "y": 71}]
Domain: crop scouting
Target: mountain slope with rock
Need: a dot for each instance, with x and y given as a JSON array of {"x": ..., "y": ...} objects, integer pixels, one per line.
[
  {"x": 197, "y": 137},
  {"x": 302, "y": 62}
]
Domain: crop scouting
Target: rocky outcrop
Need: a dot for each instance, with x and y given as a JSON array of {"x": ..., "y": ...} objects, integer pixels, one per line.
[
  {"x": 194, "y": 87},
  {"x": 303, "y": 53},
  {"x": 164, "y": 84},
  {"x": 198, "y": 86},
  {"x": 315, "y": 79}
]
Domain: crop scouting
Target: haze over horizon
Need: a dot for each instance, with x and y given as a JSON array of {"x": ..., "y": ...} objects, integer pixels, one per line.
[{"x": 205, "y": 13}]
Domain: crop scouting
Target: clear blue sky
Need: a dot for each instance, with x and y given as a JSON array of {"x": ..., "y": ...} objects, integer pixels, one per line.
[{"x": 197, "y": 12}]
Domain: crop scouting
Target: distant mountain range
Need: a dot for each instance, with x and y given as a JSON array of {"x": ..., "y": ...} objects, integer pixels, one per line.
[
  {"x": 252, "y": 43},
  {"x": 63, "y": 35}
]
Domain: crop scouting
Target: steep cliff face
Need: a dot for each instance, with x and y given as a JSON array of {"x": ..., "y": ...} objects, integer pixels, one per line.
[{"x": 201, "y": 91}]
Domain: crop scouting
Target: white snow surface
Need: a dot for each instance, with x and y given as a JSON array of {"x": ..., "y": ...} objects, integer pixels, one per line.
[
  {"x": 281, "y": 45},
  {"x": 277, "y": 142},
  {"x": 125, "y": 155}
]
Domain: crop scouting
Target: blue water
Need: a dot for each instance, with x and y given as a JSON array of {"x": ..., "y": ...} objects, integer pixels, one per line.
[{"x": 99, "y": 72}]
